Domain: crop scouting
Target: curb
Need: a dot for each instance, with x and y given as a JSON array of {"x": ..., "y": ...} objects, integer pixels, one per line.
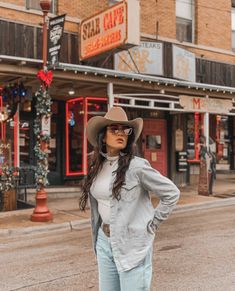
[
  {"x": 70, "y": 226},
  {"x": 85, "y": 223},
  {"x": 205, "y": 205}
]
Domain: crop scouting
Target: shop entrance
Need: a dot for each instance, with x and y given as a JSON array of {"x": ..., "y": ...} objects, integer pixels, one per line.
[
  {"x": 154, "y": 144},
  {"x": 55, "y": 156}
]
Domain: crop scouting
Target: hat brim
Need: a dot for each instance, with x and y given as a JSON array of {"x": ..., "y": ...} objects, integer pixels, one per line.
[{"x": 96, "y": 123}]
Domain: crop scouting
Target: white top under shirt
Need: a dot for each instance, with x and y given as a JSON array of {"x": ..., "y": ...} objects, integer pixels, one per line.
[{"x": 100, "y": 187}]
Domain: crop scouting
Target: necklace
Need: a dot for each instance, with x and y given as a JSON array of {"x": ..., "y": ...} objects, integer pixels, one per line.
[{"x": 112, "y": 160}]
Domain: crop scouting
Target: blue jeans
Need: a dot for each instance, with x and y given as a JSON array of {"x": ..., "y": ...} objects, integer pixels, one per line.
[{"x": 136, "y": 279}]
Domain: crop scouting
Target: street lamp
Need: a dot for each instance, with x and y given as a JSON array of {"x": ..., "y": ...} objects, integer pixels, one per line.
[{"x": 41, "y": 212}]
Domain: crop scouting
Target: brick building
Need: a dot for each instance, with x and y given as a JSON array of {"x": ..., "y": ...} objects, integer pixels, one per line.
[{"x": 194, "y": 44}]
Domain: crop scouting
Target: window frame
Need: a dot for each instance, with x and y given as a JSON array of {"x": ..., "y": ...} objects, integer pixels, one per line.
[
  {"x": 184, "y": 23},
  {"x": 185, "y": 20},
  {"x": 233, "y": 28},
  {"x": 53, "y": 9}
]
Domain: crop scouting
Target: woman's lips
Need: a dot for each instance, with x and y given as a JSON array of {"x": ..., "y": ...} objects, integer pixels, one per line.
[{"x": 120, "y": 140}]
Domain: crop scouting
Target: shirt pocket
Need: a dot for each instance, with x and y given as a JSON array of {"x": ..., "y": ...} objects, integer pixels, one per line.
[{"x": 130, "y": 191}]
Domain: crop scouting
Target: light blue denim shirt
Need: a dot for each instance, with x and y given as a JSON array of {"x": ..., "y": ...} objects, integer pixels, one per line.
[{"x": 131, "y": 234}]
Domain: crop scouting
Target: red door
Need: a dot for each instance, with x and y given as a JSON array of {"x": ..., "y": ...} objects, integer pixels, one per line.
[{"x": 155, "y": 144}]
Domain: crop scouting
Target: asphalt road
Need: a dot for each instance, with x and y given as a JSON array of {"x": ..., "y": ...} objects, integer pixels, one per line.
[{"x": 192, "y": 251}]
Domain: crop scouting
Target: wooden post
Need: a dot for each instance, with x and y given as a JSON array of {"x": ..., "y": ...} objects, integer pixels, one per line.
[{"x": 9, "y": 200}]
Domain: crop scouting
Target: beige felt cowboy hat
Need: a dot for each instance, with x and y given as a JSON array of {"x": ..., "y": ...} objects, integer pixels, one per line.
[{"x": 115, "y": 115}]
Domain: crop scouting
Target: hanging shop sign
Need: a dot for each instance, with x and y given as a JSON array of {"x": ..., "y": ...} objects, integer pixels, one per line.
[
  {"x": 147, "y": 58},
  {"x": 179, "y": 140},
  {"x": 115, "y": 27},
  {"x": 56, "y": 30},
  {"x": 184, "y": 64},
  {"x": 210, "y": 105}
]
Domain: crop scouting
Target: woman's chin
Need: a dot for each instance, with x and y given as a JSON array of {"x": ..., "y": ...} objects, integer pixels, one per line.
[{"x": 119, "y": 147}]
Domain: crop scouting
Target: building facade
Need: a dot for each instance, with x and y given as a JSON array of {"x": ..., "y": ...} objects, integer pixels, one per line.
[{"x": 180, "y": 79}]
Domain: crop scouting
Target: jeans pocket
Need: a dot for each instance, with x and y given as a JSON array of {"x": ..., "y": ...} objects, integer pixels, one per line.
[{"x": 150, "y": 228}]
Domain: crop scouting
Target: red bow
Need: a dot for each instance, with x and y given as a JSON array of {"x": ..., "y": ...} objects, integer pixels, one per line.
[{"x": 45, "y": 77}]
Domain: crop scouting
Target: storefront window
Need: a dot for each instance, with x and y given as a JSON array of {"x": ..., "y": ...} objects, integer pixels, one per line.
[
  {"x": 95, "y": 107},
  {"x": 78, "y": 112},
  {"x": 74, "y": 136},
  {"x": 2, "y": 126},
  {"x": 6, "y": 152},
  {"x": 8, "y": 137},
  {"x": 219, "y": 140},
  {"x": 222, "y": 140},
  {"x": 153, "y": 142}
]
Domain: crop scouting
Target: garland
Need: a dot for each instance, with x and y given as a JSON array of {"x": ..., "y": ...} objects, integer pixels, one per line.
[
  {"x": 43, "y": 109},
  {"x": 8, "y": 178}
]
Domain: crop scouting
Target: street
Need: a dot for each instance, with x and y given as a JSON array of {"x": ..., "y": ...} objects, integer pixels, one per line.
[{"x": 193, "y": 250}]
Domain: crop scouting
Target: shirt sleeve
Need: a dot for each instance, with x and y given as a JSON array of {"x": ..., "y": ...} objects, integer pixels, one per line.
[{"x": 160, "y": 186}]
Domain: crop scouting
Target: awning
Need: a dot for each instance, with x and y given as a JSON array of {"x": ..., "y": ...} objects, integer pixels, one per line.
[{"x": 93, "y": 81}]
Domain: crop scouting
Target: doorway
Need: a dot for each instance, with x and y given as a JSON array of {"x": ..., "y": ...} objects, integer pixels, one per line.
[
  {"x": 56, "y": 150},
  {"x": 154, "y": 144}
]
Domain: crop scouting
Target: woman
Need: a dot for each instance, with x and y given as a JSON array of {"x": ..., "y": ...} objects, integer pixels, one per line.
[{"x": 123, "y": 219}]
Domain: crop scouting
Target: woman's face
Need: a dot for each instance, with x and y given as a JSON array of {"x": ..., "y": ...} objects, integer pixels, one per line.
[{"x": 116, "y": 138}]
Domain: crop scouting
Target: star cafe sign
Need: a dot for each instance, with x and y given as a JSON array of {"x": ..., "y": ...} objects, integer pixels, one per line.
[
  {"x": 116, "y": 27},
  {"x": 210, "y": 105}
]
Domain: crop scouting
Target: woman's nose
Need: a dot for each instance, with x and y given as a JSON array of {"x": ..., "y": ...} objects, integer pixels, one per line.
[{"x": 121, "y": 132}]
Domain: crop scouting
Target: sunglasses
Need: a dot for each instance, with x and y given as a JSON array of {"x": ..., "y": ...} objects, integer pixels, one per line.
[{"x": 115, "y": 129}]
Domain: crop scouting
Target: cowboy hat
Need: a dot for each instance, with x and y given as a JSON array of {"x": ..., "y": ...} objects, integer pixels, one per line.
[{"x": 115, "y": 115}]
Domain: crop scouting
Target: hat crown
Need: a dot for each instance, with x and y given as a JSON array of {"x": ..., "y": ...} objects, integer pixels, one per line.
[{"x": 116, "y": 114}]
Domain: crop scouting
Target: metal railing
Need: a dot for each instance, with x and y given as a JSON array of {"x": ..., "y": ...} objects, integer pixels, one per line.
[{"x": 26, "y": 181}]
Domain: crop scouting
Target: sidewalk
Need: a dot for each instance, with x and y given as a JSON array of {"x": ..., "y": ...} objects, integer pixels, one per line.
[{"x": 66, "y": 214}]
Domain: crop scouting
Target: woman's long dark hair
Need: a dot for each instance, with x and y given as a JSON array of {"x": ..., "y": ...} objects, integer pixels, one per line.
[{"x": 96, "y": 165}]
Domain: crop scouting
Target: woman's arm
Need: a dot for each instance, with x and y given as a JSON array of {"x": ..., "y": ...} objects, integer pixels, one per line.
[{"x": 161, "y": 187}]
